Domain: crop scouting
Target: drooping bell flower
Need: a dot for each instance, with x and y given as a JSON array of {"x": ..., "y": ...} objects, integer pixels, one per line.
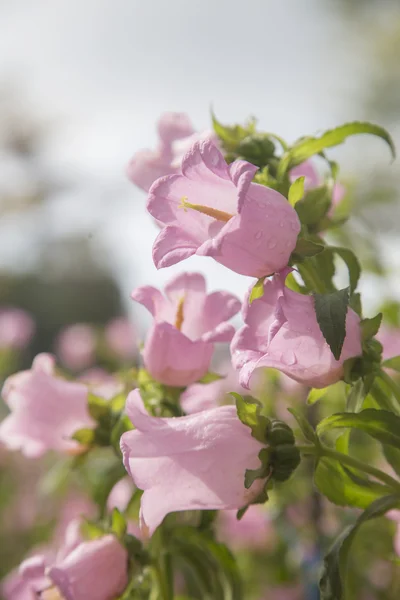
[
  {"x": 121, "y": 338},
  {"x": 254, "y": 531},
  {"x": 390, "y": 340},
  {"x": 196, "y": 462},
  {"x": 313, "y": 180},
  {"x": 16, "y": 328},
  {"x": 176, "y": 135},
  {"x": 187, "y": 322},
  {"x": 76, "y": 346},
  {"x": 281, "y": 331},
  {"x": 93, "y": 570},
  {"x": 213, "y": 209},
  {"x": 45, "y": 410}
]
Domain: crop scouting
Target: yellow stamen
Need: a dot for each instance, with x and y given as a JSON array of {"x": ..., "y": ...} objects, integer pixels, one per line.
[
  {"x": 179, "y": 313},
  {"x": 50, "y": 593},
  {"x": 220, "y": 215}
]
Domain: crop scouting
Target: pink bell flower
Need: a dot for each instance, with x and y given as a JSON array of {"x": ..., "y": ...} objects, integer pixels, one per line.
[
  {"x": 93, "y": 570},
  {"x": 197, "y": 462},
  {"x": 390, "y": 340},
  {"x": 76, "y": 346},
  {"x": 16, "y": 328},
  {"x": 120, "y": 337},
  {"x": 176, "y": 135},
  {"x": 203, "y": 396},
  {"x": 281, "y": 332},
  {"x": 313, "y": 180},
  {"x": 187, "y": 322},
  {"x": 213, "y": 209},
  {"x": 45, "y": 410}
]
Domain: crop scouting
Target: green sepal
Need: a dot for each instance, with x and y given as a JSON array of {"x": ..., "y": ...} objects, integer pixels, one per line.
[
  {"x": 257, "y": 291},
  {"x": 118, "y": 523},
  {"x": 262, "y": 472},
  {"x": 249, "y": 412},
  {"x": 370, "y": 327},
  {"x": 91, "y": 530},
  {"x": 284, "y": 459},
  {"x": 296, "y": 191}
]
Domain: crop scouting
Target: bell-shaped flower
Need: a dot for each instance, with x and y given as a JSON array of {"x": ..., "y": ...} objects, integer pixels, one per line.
[
  {"x": 196, "y": 462},
  {"x": 121, "y": 338},
  {"x": 187, "y": 322},
  {"x": 45, "y": 410},
  {"x": 16, "y": 328},
  {"x": 176, "y": 135},
  {"x": 93, "y": 570},
  {"x": 281, "y": 331},
  {"x": 213, "y": 209},
  {"x": 313, "y": 179},
  {"x": 76, "y": 346}
]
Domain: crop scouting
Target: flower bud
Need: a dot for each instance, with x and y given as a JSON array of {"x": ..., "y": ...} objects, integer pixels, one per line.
[
  {"x": 257, "y": 149},
  {"x": 284, "y": 459},
  {"x": 279, "y": 433}
]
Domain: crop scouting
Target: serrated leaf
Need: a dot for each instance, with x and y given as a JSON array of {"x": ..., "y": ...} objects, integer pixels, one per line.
[
  {"x": 352, "y": 263},
  {"x": 307, "y": 147},
  {"x": 296, "y": 191},
  {"x": 305, "y": 426},
  {"x": 370, "y": 327},
  {"x": 334, "y": 482},
  {"x": 333, "y": 583},
  {"x": 84, "y": 436},
  {"x": 392, "y": 363},
  {"x": 248, "y": 411},
  {"x": 331, "y": 311},
  {"x": 257, "y": 290},
  {"x": 118, "y": 523},
  {"x": 261, "y": 473},
  {"x": 382, "y": 425},
  {"x": 98, "y": 407}
]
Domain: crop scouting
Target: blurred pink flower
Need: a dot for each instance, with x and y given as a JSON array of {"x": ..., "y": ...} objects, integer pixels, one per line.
[
  {"x": 187, "y": 321},
  {"x": 197, "y": 462},
  {"x": 45, "y": 410},
  {"x": 120, "y": 337},
  {"x": 101, "y": 383},
  {"x": 284, "y": 592},
  {"x": 254, "y": 531},
  {"x": 281, "y": 332},
  {"x": 176, "y": 135},
  {"x": 119, "y": 497},
  {"x": 16, "y": 328},
  {"x": 390, "y": 340},
  {"x": 247, "y": 227},
  {"x": 313, "y": 180},
  {"x": 76, "y": 346}
]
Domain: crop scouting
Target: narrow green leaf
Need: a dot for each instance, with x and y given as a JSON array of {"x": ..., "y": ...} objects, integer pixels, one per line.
[
  {"x": 118, "y": 523},
  {"x": 210, "y": 377},
  {"x": 370, "y": 327},
  {"x": 305, "y": 248},
  {"x": 314, "y": 206},
  {"x": 382, "y": 425},
  {"x": 307, "y": 147},
  {"x": 84, "y": 436},
  {"x": 331, "y": 311},
  {"x": 296, "y": 191},
  {"x": 392, "y": 455},
  {"x": 306, "y": 429},
  {"x": 91, "y": 530},
  {"x": 356, "y": 397},
  {"x": 352, "y": 264},
  {"x": 333, "y": 583},
  {"x": 257, "y": 290},
  {"x": 248, "y": 411},
  {"x": 316, "y": 394},
  {"x": 392, "y": 363}
]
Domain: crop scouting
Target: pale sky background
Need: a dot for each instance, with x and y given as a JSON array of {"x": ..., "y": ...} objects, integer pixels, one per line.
[{"x": 103, "y": 70}]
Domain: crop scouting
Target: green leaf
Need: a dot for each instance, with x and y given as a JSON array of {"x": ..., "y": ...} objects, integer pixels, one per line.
[
  {"x": 261, "y": 473},
  {"x": 382, "y": 425},
  {"x": 121, "y": 426},
  {"x": 118, "y": 523},
  {"x": 392, "y": 363},
  {"x": 352, "y": 264},
  {"x": 305, "y": 248},
  {"x": 356, "y": 397},
  {"x": 392, "y": 455},
  {"x": 257, "y": 291},
  {"x": 85, "y": 436},
  {"x": 306, "y": 429},
  {"x": 370, "y": 327},
  {"x": 98, "y": 407},
  {"x": 316, "y": 394},
  {"x": 314, "y": 206},
  {"x": 331, "y": 311},
  {"x": 296, "y": 191},
  {"x": 91, "y": 530},
  {"x": 231, "y": 136},
  {"x": 248, "y": 411},
  {"x": 210, "y": 377},
  {"x": 307, "y": 147},
  {"x": 333, "y": 583},
  {"x": 335, "y": 482}
]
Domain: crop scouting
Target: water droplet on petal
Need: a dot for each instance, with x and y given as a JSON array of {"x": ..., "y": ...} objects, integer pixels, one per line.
[
  {"x": 258, "y": 235},
  {"x": 294, "y": 225},
  {"x": 272, "y": 243},
  {"x": 260, "y": 204},
  {"x": 289, "y": 358},
  {"x": 281, "y": 223}
]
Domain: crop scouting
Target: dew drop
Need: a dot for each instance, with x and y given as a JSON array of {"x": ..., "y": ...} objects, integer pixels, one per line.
[
  {"x": 281, "y": 223},
  {"x": 272, "y": 243},
  {"x": 258, "y": 235},
  {"x": 289, "y": 358},
  {"x": 260, "y": 204}
]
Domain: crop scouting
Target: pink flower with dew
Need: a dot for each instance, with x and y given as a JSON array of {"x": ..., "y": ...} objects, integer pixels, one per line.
[
  {"x": 281, "y": 332},
  {"x": 76, "y": 346},
  {"x": 45, "y": 410},
  {"x": 213, "y": 209},
  {"x": 254, "y": 531},
  {"x": 313, "y": 180},
  {"x": 176, "y": 135},
  {"x": 205, "y": 455},
  {"x": 93, "y": 570},
  {"x": 16, "y": 328},
  {"x": 120, "y": 337},
  {"x": 187, "y": 322}
]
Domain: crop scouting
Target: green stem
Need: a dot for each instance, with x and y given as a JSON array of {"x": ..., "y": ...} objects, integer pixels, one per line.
[
  {"x": 392, "y": 385},
  {"x": 350, "y": 461},
  {"x": 311, "y": 274},
  {"x": 163, "y": 568}
]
